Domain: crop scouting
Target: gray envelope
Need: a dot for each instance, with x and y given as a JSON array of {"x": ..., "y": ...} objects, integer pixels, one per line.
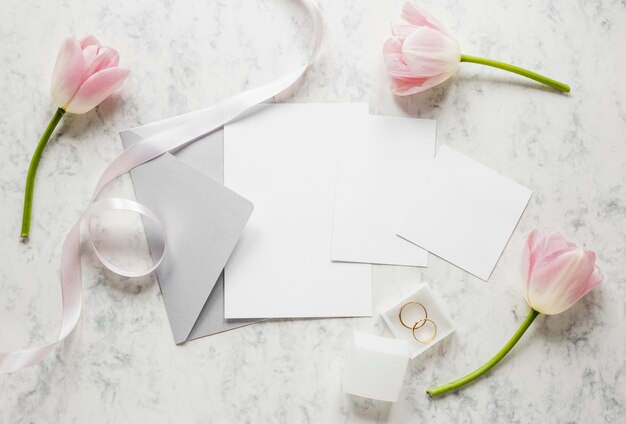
[{"x": 203, "y": 221}]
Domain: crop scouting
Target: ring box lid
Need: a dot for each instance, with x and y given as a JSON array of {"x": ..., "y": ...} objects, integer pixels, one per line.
[
  {"x": 376, "y": 367},
  {"x": 413, "y": 313}
]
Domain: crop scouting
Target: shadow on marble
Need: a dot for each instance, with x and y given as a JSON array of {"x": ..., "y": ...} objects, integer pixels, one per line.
[
  {"x": 430, "y": 359},
  {"x": 130, "y": 285},
  {"x": 76, "y": 126},
  {"x": 426, "y": 104},
  {"x": 369, "y": 410},
  {"x": 511, "y": 80},
  {"x": 577, "y": 324}
]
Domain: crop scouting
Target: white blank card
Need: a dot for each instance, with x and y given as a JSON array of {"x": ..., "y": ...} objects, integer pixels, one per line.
[
  {"x": 380, "y": 166},
  {"x": 283, "y": 159},
  {"x": 465, "y": 213}
]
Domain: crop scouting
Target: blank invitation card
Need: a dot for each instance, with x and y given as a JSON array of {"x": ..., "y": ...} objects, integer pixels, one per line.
[
  {"x": 464, "y": 213},
  {"x": 381, "y": 162},
  {"x": 283, "y": 159}
]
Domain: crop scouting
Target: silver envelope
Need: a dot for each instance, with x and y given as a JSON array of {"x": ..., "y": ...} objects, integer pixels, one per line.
[{"x": 203, "y": 221}]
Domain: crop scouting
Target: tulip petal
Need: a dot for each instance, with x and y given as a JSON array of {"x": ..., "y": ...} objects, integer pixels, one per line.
[
  {"x": 111, "y": 60},
  {"x": 541, "y": 244},
  {"x": 428, "y": 52},
  {"x": 550, "y": 270},
  {"x": 583, "y": 280},
  {"x": 528, "y": 255},
  {"x": 89, "y": 55},
  {"x": 392, "y": 48},
  {"x": 596, "y": 278},
  {"x": 89, "y": 40},
  {"x": 555, "y": 242},
  {"x": 396, "y": 67},
  {"x": 106, "y": 58},
  {"x": 408, "y": 86},
  {"x": 419, "y": 17},
  {"x": 402, "y": 29},
  {"x": 68, "y": 72},
  {"x": 97, "y": 88}
]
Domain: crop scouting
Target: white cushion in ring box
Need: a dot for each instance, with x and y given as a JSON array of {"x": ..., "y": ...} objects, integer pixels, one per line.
[
  {"x": 413, "y": 313},
  {"x": 376, "y": 367}
]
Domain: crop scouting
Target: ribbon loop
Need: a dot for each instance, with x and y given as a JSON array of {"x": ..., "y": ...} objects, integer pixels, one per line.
[{"x": 124, "y": 205}]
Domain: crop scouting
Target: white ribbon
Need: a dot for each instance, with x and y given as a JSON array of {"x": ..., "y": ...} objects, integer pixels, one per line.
[{"x": 190, "y": 128}]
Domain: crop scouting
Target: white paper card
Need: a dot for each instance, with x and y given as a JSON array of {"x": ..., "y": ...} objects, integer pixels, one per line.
[
  {"x": 380, "y": 166},
  {"x": 465, "y": 213},
  {"x": 283, "y": 157}
]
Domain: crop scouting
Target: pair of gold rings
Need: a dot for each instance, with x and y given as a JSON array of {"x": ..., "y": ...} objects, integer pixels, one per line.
[{"x": 419, "y": 323}]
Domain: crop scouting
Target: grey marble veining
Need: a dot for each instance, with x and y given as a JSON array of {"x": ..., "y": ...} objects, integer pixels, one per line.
[{"x": 121, "y": 365}]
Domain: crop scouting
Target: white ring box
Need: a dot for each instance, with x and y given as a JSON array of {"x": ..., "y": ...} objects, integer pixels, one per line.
[
  {"x": 376, "y": 367},
  {"x": 413, "y": 313}
]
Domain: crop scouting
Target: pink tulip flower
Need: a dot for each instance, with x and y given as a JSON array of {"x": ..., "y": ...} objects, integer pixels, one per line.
[
  {"x": 558, "y": 274},
  {"x": 85, "y": 73},
  {"x": 422, "y": 53}
]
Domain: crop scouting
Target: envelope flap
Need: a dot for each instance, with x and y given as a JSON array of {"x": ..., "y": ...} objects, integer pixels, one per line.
[{"x": 203, "y": 221}]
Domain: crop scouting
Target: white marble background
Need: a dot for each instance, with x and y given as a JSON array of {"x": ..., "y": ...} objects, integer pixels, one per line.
[{"x": 122, "y": 366}]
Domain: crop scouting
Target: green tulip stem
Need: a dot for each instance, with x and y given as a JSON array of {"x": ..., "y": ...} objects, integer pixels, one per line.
[
  {"x": 32, "y": 172},
  {"x": 517, "y": 70},
  {"x": 491, "y": 363}
]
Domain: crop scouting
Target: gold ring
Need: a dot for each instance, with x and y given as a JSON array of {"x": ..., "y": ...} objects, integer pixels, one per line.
[
  {"x": 411, "y": 327},
  {"x": 423, "y": 321}
]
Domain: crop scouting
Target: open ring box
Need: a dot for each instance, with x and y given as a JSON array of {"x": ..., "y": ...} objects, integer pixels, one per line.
[
  {"x": 412, "y": 314},
  {"x": 377, "y": 365}
]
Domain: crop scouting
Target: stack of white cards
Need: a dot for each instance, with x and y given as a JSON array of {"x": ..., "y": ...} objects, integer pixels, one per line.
[{"x": 335, "y": 190}]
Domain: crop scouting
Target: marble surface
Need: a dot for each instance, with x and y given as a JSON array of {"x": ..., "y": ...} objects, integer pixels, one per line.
[{"x": 121, "y": 364}]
